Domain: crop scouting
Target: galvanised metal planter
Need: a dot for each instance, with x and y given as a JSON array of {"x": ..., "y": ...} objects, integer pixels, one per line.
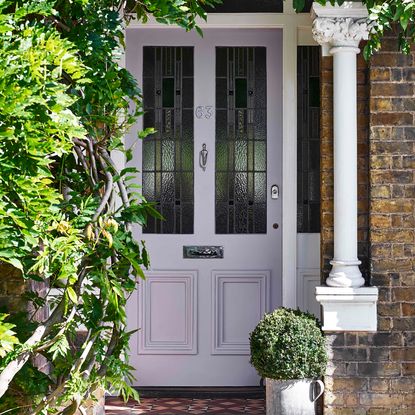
[{"x": 293, "y": 397}]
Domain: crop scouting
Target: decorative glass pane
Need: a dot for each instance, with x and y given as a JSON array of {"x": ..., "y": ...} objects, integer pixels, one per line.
[
  {"x": 168, "y": 92},
  {"x": 308, "y": 128},
  {"x": 168, "y": 154},
  {"x": 241, "y": 93},
  {"x": 260, "y": 153},
  {"x": 241, "y": 131},
  {"x": 188, "y": 93}
]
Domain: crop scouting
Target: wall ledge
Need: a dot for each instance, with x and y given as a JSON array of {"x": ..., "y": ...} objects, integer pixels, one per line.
[{"x": 348, "y": 309}]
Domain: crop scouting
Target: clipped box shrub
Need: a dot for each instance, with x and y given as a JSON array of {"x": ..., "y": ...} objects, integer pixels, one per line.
[{"x": 288, "y": 344}]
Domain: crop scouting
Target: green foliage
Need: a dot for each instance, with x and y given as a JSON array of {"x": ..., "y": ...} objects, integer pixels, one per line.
[
  {"x": 288, "y": 344},
  {"x": 391, "y": 15},
  {"x": 8, "y": 340},
  {"x": 387, "y": 16},
  {"x": 66, "y": 210},
  {"x": 182, "y": 13},
  {"x": 36, "y": 126}
]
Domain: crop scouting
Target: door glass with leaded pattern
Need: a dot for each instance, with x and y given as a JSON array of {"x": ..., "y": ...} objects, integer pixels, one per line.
[
  {"x": 168, "y": 154},
  {"x": 241, "y": 140}
]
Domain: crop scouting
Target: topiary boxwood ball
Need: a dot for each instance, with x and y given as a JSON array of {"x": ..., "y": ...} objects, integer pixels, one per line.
[{"x": 288, "y": 344}]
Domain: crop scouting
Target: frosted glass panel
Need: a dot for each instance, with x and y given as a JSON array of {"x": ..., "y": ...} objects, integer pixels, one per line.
[
  {"x": 168, "y": 154},
  {"x": 241, "y": 132}
]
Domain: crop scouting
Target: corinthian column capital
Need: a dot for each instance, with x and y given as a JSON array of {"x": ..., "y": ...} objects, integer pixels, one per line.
[
  {"x": 340, "y": 26},
  {"x": 342, "y": 31}
]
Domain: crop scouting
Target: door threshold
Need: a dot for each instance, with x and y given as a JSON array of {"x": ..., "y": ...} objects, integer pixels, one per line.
[{"x": 200, "y": 392}]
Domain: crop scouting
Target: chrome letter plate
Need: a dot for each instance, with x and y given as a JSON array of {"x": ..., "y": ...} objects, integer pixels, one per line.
[{"x": 202, "y": 251}]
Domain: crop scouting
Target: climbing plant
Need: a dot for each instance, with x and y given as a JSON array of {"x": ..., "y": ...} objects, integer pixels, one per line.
[
  {"x": 66, "y": 210},
  {"x": 384, "y": 16}
]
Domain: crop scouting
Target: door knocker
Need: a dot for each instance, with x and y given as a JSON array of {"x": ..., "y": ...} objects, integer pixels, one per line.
[{"x": 203, "y": 157}]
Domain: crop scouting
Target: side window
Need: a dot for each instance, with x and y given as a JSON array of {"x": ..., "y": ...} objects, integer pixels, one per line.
[{"x": 308, "y": 139}]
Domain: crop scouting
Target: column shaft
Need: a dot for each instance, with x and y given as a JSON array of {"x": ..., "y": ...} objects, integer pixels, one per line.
[
  {"x": 345, "y": 154},
  {"x": 345, "y": 271}
]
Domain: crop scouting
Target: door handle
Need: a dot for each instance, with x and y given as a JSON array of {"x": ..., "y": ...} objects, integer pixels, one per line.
[{"x": 203, "y": 155}]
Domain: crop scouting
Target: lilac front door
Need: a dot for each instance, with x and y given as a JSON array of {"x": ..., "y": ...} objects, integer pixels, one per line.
[{"x": 214, "y": 170}]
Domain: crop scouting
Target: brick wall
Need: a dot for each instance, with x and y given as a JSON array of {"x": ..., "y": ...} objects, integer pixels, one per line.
[
  {"x": 375, "y": 373},
  {"x": 11, "y": 289}
]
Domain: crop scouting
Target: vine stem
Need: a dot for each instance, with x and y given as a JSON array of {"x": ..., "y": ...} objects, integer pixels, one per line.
[
  {"x": 84, "y": 164},
  {"x": 94, "y": 170},
  {"x": 16, "y": 365},
  {"x": 109, "y": 189},
  {"x": 13, "y": 367},
  {"x": 120, "y": 182},
  {"x": 52, "y": 341}
]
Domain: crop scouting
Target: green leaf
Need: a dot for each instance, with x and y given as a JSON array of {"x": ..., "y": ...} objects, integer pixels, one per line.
[
  {"x": 129, "y": 155},
  {"x": 199, "y": 31},
  {"x": 136, "y": 266},
  {"x": 15, "y": 262},
  {"x": 404, "y": 20},
  {"x": 72, "y": 295},
  {"x": 8, "y": 340},
  {"x": 298, "y": 5},
  {"x": 60, "y": 347}
]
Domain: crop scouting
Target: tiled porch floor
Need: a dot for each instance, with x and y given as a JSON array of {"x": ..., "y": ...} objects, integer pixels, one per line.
[{"x": 172, "y": 406}]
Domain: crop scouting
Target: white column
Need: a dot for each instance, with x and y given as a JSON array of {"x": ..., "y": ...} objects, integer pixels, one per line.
[
  {"x": 345, "y": 265},
  {"x": 347, "y": 305},
  {"x": 341, "y": 37}
]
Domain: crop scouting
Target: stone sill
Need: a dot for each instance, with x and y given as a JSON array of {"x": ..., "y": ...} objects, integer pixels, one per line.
[{"x": 348, "y": 309}]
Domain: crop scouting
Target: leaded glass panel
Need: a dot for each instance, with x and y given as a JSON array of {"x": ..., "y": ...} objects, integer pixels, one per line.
[
  {"x": 308, "y": 131},
  {"x": 241, "y": 153},
  {"x": 168, "y": 154}
]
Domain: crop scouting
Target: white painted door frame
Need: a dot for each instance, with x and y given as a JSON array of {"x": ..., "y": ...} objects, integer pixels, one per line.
[{"x": 296, "y": 31}]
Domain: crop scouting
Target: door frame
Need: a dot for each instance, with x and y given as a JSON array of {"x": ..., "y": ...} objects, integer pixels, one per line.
[{"x": 296, "y": 30}]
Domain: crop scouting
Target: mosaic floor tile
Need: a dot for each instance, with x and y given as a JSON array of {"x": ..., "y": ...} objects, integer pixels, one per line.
[{"x": 182, "y": 406}]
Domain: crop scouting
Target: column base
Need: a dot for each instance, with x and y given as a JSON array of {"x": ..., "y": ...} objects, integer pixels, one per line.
[
  {"x": 345, "y": 274},
  {"x": 348, "y": 309}
]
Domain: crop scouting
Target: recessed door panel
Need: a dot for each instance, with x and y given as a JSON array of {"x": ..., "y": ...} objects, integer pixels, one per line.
[
  {"x": 240, "y": 299},
  {"x": 215, "y": 103},
  {"x": 168, "y": 313}
]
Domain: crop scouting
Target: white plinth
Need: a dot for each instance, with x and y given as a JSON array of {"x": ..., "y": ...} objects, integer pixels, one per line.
[{"x": 348, "y": 309}]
